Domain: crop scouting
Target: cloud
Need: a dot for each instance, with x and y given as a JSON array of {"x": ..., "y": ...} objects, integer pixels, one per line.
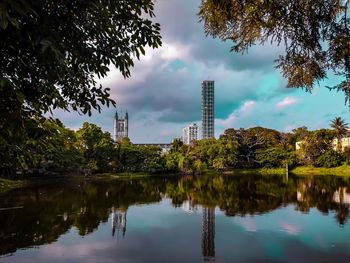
[
  {"x": 244, "y": 110},
  {"x": 286, "y": 102},
  {"x": 247, "y": 107},
  {"x": 163, "y": 93}
]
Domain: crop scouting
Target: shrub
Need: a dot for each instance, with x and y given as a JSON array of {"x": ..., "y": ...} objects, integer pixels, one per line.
[{"x": 329, "y": 159}]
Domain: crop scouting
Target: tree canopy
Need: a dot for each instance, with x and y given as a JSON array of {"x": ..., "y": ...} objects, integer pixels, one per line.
[
  {"x": 315, "y": 35},
  {"x": 52, "y": 53},
  {"x": 340, "y": 128}
]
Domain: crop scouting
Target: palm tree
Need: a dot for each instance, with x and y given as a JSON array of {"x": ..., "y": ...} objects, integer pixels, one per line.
[
  {"x": 176, "y": 145},
  {"x": 340, "y": 129}
]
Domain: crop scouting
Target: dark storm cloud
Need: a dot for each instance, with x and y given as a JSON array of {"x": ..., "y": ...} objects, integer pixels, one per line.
[
  {"x": 163, "y": 93},
  {"x": 180, "y": 23},
  {"x": 162, "y": 87},
  {"x": 176, "y": 94}
]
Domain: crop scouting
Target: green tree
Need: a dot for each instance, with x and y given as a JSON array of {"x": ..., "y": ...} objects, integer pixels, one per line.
[
  {"x": 132, "y": 158},
  {"x": 317, "y": 143},
  {"x": 330, "y": 158},
  {"x": 315, "y": 34},
  {"x": 60, "y": 153},
  {"x": 340, "y": 129},
  {"x": 299, "y": 134},
  {"x": 253, "y": 139},
  {"x": 275, "y": 157},
  {"x": 346, "y": 155},
  {"x": 96, "y": 146},
  {"x": 49, "y": 147},
  {"x": 53, "y": 52},
  {"x": 176, "y": 145}
]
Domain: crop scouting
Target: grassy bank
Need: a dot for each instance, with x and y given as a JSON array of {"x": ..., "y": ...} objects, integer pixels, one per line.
[
  {"x": 262, "y": 171},
  {"x": 6, "y": 184},
  {"x": 301, "y": 171},
  {"x": 129, "y": 175},
  {"x": 343, "y": 170}
]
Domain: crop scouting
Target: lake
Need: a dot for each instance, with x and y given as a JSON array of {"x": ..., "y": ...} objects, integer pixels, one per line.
[{"x": 189, "y": 219}]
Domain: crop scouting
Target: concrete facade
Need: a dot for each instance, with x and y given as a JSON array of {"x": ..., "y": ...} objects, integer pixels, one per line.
[
  {"x": 190, "y": 134},
  {"x": 208, "y": 115}
]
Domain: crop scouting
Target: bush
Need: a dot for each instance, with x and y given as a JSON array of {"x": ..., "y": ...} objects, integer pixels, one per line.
[
  {"x": 329, "y": 159},
  {"x": 346, "y": 155},
  {"x": 275, "y": 157}
]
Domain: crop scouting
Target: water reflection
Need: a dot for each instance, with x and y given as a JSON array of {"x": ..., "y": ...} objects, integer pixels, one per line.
[
  {"x": 118, "y": 222},
  {"x": 208, "y": 234},
  {"x": 48, "y": 211}
]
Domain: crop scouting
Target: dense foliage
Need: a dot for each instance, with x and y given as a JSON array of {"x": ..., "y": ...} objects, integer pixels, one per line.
[
  {"x": 53, "y": 148},
  {"x": 315, "y": 34},
  {"x": 52, "y": 53},
  {"x": 261, "y": 148},
  {"x": 243, "y": 148}
]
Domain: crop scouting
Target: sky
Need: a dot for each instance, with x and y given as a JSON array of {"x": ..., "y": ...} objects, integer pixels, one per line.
[{"x": 163, "y": 93}]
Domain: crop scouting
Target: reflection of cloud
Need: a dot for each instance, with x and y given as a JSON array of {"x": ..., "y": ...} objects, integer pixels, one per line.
[
  {"x": 288, "y": 101},
  {"x": 248, "y": 224},
  {"x": 72, "y": 250},
  {"x": 290, "y": 228}
]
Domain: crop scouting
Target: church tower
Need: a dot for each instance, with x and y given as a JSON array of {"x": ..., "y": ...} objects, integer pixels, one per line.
[{"x": 121, "y": 127}]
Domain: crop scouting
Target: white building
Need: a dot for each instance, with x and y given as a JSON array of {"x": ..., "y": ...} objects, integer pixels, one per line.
[
  {"x": 344, "y": 143},
  {"x": 190, "y": 134}
]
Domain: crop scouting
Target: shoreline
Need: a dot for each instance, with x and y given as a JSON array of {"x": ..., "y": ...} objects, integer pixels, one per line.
[
  {"x": 302, "y": 171},
  {"x": 342, "y": 171}
]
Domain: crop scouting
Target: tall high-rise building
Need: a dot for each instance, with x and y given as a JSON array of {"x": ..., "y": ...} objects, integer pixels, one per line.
[
  {"x": 207, "y": 109},
  {"x": 121, "y": 126},
  {"x": 190, "y": 134}
]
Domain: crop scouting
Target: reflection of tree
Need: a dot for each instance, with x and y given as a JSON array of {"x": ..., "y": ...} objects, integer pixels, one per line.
[
  {"x": 51, "y": 210},
  {"x": 326, "y": 193},
  {"x": 208, "y": 234},
  {"x": 241, "y": 195},
  {"x": 342, "y": 213}
]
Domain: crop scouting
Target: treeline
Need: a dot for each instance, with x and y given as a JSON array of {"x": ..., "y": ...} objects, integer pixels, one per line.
[
  {"x": 51, "y": 148},
  {"x": 260, "y": 148}
]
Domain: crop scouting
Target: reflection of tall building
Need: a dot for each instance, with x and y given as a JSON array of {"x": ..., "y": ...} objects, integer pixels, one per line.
[
  {"x": 118, "y": 222},
  {"x": 208, "y": 234},
  {"x": 121, "y": 127}
]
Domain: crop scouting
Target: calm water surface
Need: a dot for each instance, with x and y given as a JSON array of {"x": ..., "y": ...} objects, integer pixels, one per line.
[{"x": 217, "y": 218}]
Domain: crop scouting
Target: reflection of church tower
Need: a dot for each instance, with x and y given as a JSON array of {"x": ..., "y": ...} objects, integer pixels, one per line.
[
  {"x": 121, "y": 127},
  {"x": 118, "y": 222},
  {"x": 208, "y": 234}
]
